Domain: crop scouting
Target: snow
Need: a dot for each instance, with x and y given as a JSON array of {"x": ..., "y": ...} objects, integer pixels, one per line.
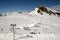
[
  {"x": 46, "y": 27},
  {"x": 35, "y": 37},
  {"x": 34, "y": 12},
  {"x": 51, "y": 9}
]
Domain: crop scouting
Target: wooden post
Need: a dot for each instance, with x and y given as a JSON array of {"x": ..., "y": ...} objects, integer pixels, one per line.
[{"x": 13, "y": 30}]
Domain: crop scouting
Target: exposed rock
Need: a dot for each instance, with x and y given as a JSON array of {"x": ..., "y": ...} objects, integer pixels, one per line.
[{"x": 42, "y": 8}]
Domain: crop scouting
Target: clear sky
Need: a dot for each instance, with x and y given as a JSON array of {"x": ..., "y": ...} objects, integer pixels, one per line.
[{"x": 24, "y": 5}]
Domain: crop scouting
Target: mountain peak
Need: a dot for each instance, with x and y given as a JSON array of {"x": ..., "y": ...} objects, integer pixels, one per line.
[
  {"x": 43, "y": 9},
  {"x": 46, "y": 9}
]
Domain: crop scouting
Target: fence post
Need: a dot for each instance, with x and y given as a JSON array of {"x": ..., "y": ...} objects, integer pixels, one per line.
[{"x": 13, "y": 25}]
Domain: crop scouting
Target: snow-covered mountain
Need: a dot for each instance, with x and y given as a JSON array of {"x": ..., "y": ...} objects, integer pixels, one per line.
[
  {"x": 39, "y": 10},
  {"x": 42, "y": 9},
  {"x": 42, "y": 23}
]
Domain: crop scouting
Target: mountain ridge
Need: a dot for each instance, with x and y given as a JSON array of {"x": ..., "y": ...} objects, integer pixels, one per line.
[
  {"x": 47, "y": 10},
  {"x": 36, "y": 11}
]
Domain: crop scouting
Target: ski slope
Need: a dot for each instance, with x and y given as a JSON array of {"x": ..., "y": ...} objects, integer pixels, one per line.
[{"x": 44, "y": 27}]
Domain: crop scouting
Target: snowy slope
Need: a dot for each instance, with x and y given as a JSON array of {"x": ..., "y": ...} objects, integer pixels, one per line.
[
  {"x": 44, "y": 27},
  {"x": 51, "y": 9}
]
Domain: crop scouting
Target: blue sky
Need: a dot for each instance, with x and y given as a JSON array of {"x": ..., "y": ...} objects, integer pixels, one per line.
[{"x": 25, "y": 5}]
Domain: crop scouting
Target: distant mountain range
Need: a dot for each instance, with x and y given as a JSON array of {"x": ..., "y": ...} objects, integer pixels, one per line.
[{"x": 38, "y": 10}]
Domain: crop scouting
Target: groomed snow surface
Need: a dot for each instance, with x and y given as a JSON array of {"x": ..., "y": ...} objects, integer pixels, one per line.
[{"x": 31, "y": 26}]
